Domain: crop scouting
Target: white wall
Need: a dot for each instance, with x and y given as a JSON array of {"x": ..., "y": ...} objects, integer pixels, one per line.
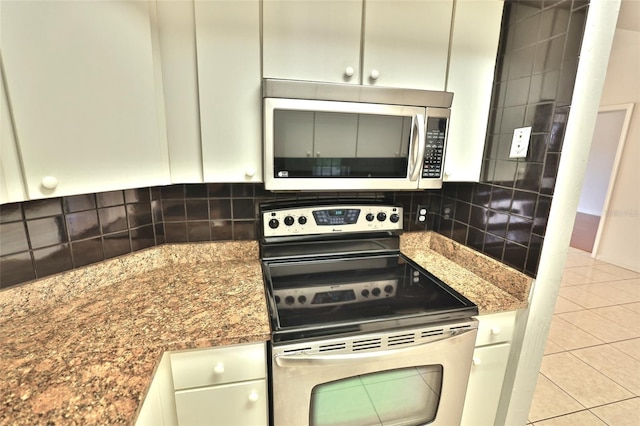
[{"x": 620, "y": 238}]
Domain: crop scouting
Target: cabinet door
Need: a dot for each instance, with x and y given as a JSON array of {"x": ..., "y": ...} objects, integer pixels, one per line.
[
  {"x": 312, "y": 40},
  {"x": 228, "y": 50},
  {"x": 11, "y": 183},
  {"x": 177, "y": 39},
  {"x": 234, "y": 404},
  {"x": 407, "y": 43},
  {"x": 485, "y": 384},
  {"x": 473, "y": 56},
  {"x": 83, "y": 90}
]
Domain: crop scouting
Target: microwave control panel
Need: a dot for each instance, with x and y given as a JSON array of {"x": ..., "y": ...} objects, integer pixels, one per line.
[
  {"x": 330, "y": 219},
  {"x": 434, "y": 150}
]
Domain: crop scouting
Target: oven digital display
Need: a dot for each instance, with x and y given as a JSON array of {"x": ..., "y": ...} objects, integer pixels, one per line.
[
  {"x": 333, "y": 217},
  {"x": 333, "y": 297}
]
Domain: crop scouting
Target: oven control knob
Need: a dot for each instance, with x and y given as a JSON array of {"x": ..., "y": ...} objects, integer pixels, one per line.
[
  {"x": 370, "y": 217},
  {"x": 394, "y": 218},
  {"x": 289, "y": 300},
  {"x": 375, "y": 291},
  {"x": 277, "y": 298},
  {"x": 302, "y": 220},
  {"x": 289, "y": 220},
  {"x": 273, "y": 223},
  {"x": 388, "y": 288},
  {"x": 365, "y": 293},
  {"x": 382, "y": 216},
  {"x": 302, "y": 299}
]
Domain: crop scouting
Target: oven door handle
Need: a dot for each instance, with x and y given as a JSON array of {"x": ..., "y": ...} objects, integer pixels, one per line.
[{"x": 305, "y": 360}]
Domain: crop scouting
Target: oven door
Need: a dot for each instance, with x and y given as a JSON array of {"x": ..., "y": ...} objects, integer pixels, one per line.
[{"x": 403, "y": 377}]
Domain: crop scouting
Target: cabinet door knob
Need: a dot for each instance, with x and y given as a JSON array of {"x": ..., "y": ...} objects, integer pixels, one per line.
[
  {"x": 374, "y": 74},
  {"x": 251, "y": 172},
  {"x": 219, "y": 368},
  {"x": 495, "y": 330},
  {"x": 49, "y": 182},
  {"x": 349, "y": 71},
  {"x": 253, "y": 396},
  {"x": 477, "y": 361}
]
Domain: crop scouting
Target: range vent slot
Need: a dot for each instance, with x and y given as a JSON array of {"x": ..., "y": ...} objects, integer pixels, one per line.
[
  {"x": 361, "y": 345},
  {"x": 401, "y": 339},
  {"x": 292, "y": 351},
  {"x": 460, "y": 327},
  {"x": 429, "y": 333},
  {"x": 333, "y": 347}
]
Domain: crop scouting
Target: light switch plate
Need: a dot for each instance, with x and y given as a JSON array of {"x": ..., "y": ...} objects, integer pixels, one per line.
[{"x": 520, "y": 142}]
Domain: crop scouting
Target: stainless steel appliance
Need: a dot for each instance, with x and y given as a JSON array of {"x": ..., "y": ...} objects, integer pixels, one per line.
[
  {"x": 361, "y": 335},
  {"x": 320, "y": 136}
]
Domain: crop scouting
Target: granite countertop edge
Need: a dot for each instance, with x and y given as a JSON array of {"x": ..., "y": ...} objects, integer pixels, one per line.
[{"x": 83, "y": 345}]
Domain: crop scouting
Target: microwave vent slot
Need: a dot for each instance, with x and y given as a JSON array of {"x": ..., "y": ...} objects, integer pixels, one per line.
[{"x": 361, "y": 345}]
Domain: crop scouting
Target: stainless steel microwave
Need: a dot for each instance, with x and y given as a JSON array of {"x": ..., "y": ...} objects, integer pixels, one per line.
[{"x": 328, "y": 137}]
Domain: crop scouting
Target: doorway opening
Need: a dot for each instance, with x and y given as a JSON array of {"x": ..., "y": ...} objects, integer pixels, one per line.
[{"x": 604, "y": 158}]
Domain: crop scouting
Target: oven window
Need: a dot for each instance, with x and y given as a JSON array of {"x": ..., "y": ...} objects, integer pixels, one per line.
[{"x": 406, "y": 396}]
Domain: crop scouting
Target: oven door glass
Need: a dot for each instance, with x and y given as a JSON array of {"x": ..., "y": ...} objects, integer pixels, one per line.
[{"x": 405, "y": 396}]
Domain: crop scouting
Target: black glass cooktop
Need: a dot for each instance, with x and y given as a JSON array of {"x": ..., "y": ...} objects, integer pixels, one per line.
[{"x": 334, "y": 295}]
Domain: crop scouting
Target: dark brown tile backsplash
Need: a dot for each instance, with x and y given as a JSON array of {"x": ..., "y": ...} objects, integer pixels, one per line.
[
  {"x": 535, "y": 75},
  {"x": 503, "y": 216}
]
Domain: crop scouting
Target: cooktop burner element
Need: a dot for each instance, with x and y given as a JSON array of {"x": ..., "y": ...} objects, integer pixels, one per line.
[{"x": 348, "y": 275}]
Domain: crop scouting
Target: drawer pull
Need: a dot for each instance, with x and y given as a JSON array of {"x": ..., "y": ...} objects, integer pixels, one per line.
[
  {"x": 253, "y": 396},
  {"x": 495, "y": 330},
  {"x": 477, "y": 361},
  {"x": 219, "y": 368}
]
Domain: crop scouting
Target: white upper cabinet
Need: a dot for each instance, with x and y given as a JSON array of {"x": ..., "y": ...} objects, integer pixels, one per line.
[
  {"x": 229, "y": 84},
  {"x": 177, "y": 40},
  {"x": 84, "y": 94},
  {"x": 312, "y": 40},
  {"x": 11, "y": 183},
  {"x": 406, "y": 43},
  {"x": 474, "y": 46},
  {"x": 389, "y": 43}
]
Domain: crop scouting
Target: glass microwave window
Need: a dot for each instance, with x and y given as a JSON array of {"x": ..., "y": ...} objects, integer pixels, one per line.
[
  {"x": 310, "y": 144},
  {"x": 406, "y": 396}
]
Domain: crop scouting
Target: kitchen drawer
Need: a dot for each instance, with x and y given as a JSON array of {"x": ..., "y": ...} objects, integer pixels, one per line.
[
  {"x": 238, "y": 404},
  {"x": 218, "y": 365},
  {"x": 495, "y": 328}
]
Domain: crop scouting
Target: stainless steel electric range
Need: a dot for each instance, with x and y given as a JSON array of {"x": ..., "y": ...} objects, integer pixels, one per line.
[{"x": 361, "y": 334}]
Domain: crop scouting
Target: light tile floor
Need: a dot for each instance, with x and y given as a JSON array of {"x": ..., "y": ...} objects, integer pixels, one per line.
[{"x": 590, "y": 372}]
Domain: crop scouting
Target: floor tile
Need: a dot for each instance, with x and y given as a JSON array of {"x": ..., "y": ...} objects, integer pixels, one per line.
[
  {"x": 617, "y": 271},
  {"x": 631, "y": 286},
  {"x": 552, "y": 348},
  {"x": 598, "y": 326},
  {"x": 565, "y": 305},
  {"x": 635, "y": 307},
  {"x": 577, "y": 294},
  {"x": 623, "y": 413},
  {"x": 568, "y": 336},
  {"x": 622, "y": 316},
  {"x": 630, "y": 347},
  {"x": 581, "y": 381},
  {"x": 572, "y": 277},
  {"x": 581, "y": 418},
  {"x": 578, "y": 258},
  {"x": 595, "y": 275},
  {"x": 608, "y": 290},
  {"x": 613, "y": 363},
  {"x": 550, "y": 401}
]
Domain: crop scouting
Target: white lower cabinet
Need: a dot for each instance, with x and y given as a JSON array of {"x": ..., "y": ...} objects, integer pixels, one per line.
[
  {"x": 490, "y": 358},
  {"x": 222, "y": 386}
]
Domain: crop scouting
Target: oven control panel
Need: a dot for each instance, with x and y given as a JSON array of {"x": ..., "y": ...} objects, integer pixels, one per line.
[
  {"x": 330, "y": 219},
  {"x": 333, "y": 295}
]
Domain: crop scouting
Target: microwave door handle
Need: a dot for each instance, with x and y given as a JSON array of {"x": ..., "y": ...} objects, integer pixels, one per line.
[
  {"x": 303, "y": 360},
  {"x": 418, "y": 157}
]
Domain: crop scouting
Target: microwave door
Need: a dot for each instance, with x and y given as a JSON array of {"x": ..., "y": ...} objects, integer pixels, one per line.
[{"x": 334, "y": 145}]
